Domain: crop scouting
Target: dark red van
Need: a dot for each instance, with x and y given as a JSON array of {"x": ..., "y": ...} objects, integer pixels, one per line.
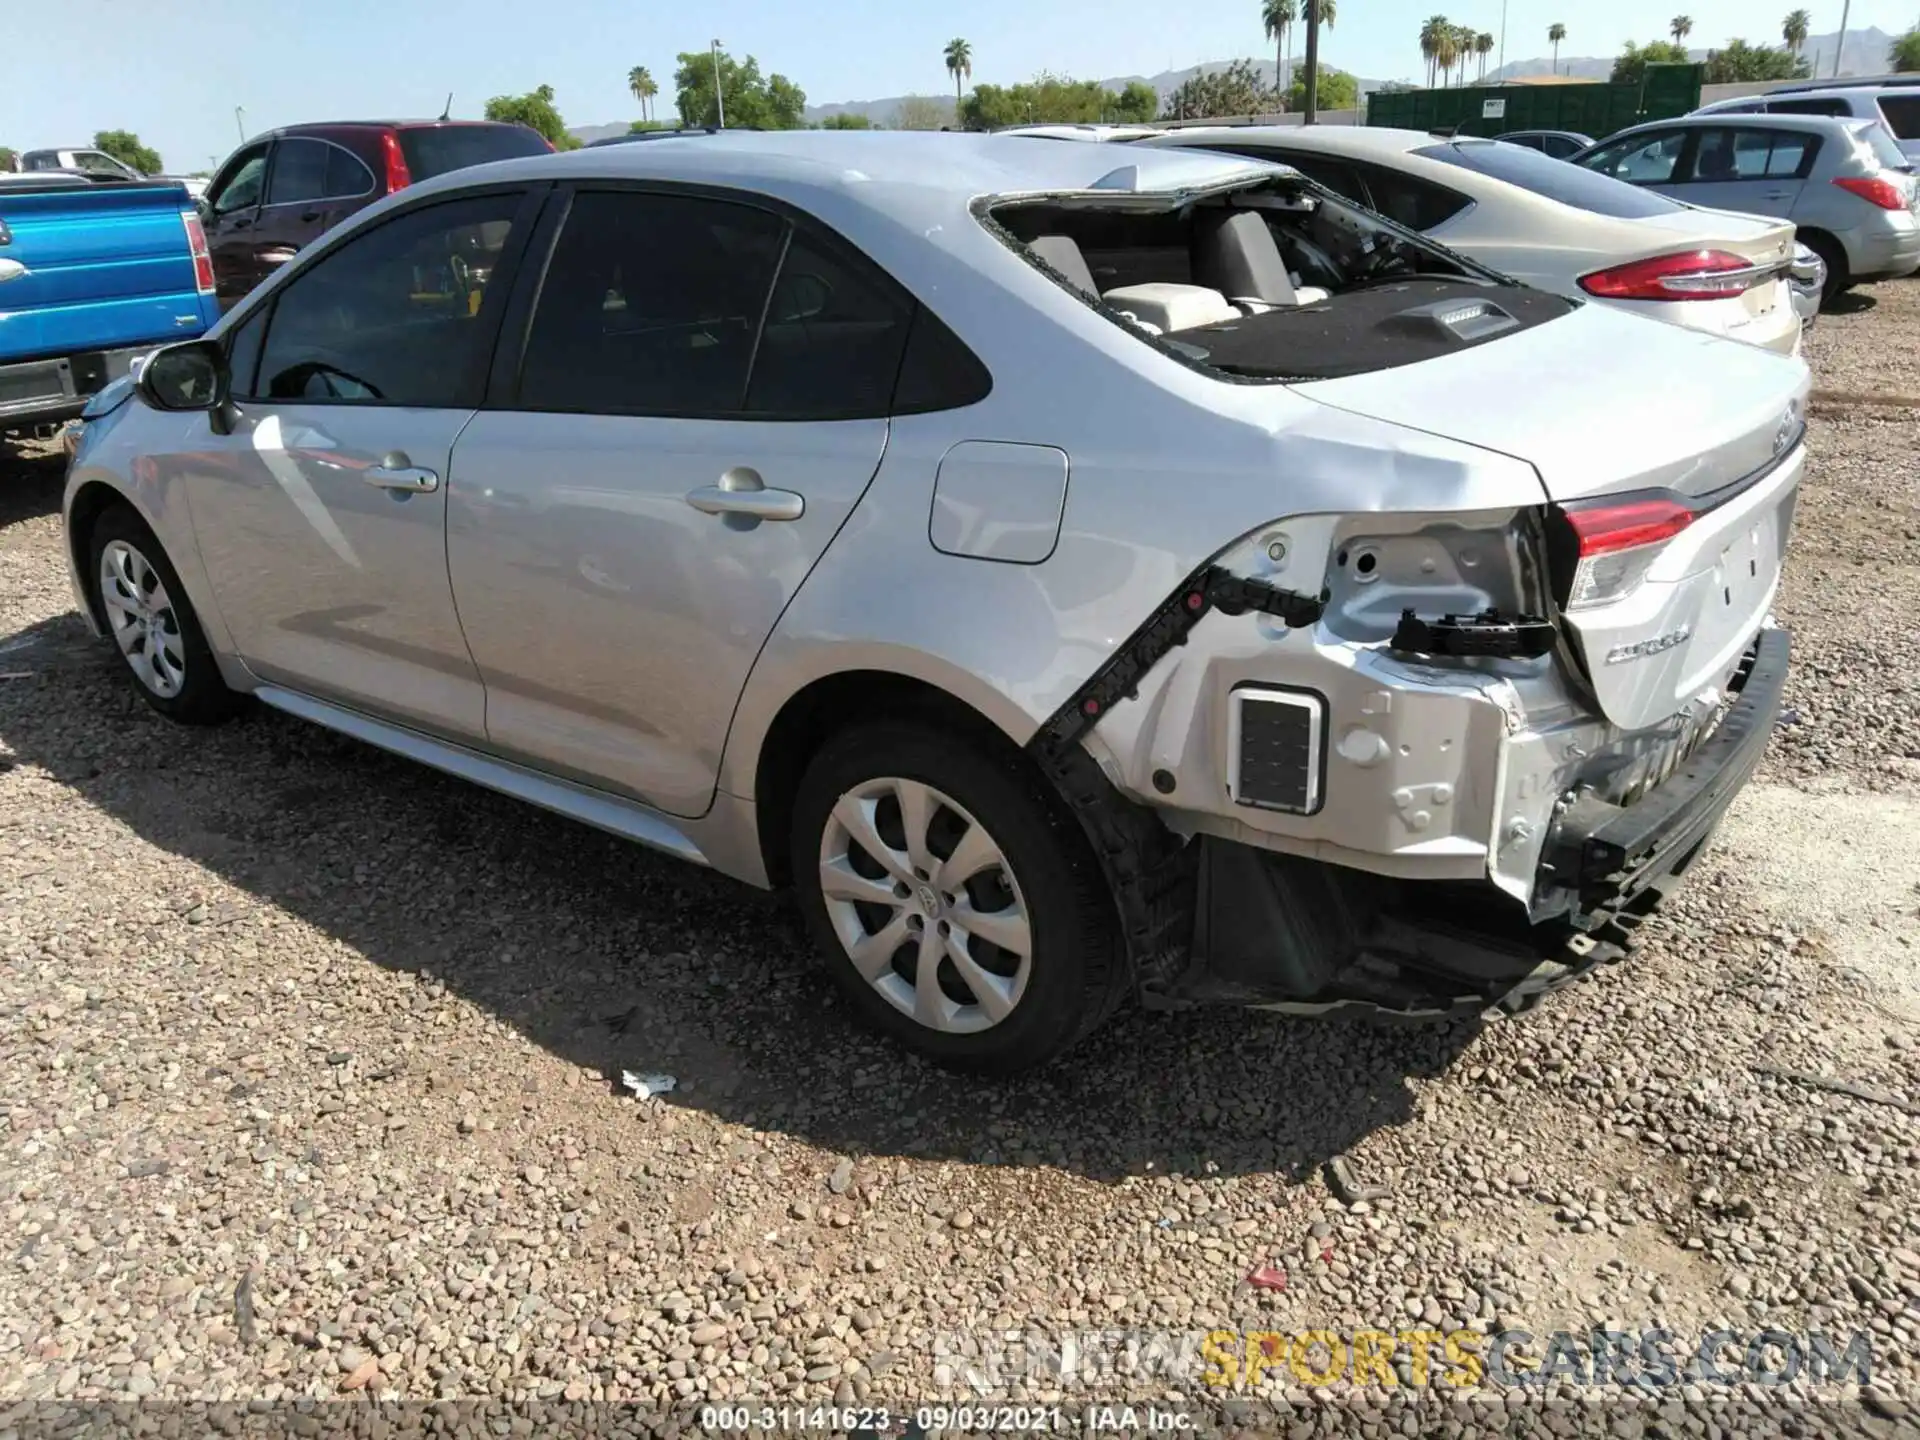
[{"x": 279, "y": 191}]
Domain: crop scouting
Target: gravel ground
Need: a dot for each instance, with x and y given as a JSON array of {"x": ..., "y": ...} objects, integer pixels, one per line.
[{"x": 302, "y": 1059}]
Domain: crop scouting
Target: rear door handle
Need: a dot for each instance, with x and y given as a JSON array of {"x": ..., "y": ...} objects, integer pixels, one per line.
[
  {"x": 409, "y": 479},
  {"x": 1776, "y": 195},
  {"x": 741, "y": 492}
]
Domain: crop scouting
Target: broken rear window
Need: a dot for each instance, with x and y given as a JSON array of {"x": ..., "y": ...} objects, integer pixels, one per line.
[{"x": 1273, "y": 279}]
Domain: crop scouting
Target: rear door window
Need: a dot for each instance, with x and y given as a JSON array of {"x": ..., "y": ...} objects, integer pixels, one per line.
[
  {"x": 1552, "y": 179},
  {"x": 1530, "y": 142},
  {"x": 1902, "y": 114},
  {"x": 650, "y": 306},
  {"x": 1726, "y": 153},
  {"x": 435, "y": 149},
  {"x": 1561, "y": 147},
  {"x": 299, "y": 172},
  {"x": 1646, "y": 159},
  {"x": 832, "y": 342},
  {"x": 347, "y": 175}
]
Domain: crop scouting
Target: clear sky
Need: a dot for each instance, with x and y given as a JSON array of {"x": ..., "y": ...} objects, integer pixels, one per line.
[{"x": 173, "y": 71}]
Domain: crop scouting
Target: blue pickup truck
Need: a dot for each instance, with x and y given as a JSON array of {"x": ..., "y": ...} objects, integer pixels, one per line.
[{"x": 92, "y": 275}]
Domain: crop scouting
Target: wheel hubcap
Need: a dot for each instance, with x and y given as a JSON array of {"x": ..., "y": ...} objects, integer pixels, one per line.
[
  {"x": 926, "y": 905},
  {"x": 140, "y": 615}
]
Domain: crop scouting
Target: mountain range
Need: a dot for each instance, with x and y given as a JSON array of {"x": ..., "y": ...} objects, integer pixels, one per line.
[{"x": 1865, "y": 53}]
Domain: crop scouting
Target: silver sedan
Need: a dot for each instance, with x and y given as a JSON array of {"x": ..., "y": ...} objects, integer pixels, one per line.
[{"x": 1079, "y": 573}]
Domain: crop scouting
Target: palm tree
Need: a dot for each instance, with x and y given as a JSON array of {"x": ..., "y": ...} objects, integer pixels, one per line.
[
  {"x": 1556, "y": 32},
  {"x": 1680, "y": 26},
  {"x": 1793, "y": 30},
  {"x": 959, "y": 65},
  {"x": 1463, "y": 49},
  {"x": 1483, "y": 47},
  {"x": 640, "y": 82},
  {"x": 1278, "y": 16},
  {"x": 1432, "y": 35}
]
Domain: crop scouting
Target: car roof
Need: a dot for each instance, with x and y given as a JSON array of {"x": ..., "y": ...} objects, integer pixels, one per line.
[
  {"x": 1747, "y": 121},
  {"x": 1331, "y": 139},
  {"x": 874, "y": 162}
]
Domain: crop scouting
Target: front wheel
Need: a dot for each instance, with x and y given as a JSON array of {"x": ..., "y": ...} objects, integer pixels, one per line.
[
  {"x": 152, "y": 623},
  {"x": 958, "y": 910}
]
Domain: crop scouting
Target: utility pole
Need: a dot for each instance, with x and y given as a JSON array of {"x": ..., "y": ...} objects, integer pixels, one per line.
[
  {"x": 1312, "y": 107},
  {"x": 719, "y": 100},
  {"x": 240, "y": 122},
  {"x": 1503, "y": 38},
  {"x": 1840, "y": 46}
]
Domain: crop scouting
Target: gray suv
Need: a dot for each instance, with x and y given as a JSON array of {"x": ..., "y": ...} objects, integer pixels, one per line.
[
  {"x": 1893, "y": 100},
  {"x": 1846, "y": 186}
]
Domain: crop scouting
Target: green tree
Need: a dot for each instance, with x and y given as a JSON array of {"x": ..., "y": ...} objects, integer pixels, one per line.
[
  {"x": 846, "y": 121},
  {"x": 1741, "y": 63},
  {"x": 1338, "y": 91},
  {"x": 1236, "y": 90},
  {"x": 754, "y": 102},
  {"x": 9, "y": 157},
  {"x": 1435, "y": 36},
  {"x": 1278, "y": 17},
  {"x": 959, "y": 57},
  {"x": 1051, "y": 99},
  {"x": 1483, "y": 47},
  {"x": 1793, "y": 30},
  {"x": 125, "y": 147},
  {"x": 1680, "y": 26},
  {"x": 922, "y": 112},
  {"x": 1556, "y": 32},
  {"x": 536, "y": 111},
  {"x": 1903, "y": 56},
  {"x": 1632, "y": 62},
  {"x": 641, "y": 82},
  {"x": 1463, "y": 49},
  {"x": 1136, "y": 104}
]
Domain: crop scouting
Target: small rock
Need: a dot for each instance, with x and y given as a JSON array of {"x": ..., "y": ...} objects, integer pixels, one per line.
[{"x": 841, "y": 1177}]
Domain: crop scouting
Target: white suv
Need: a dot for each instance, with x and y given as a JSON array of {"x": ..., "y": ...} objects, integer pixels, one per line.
[{"x": 1893, "y": 100}]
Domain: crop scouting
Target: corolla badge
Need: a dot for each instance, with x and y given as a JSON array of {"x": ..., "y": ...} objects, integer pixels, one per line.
[
  {"x": 1641, "y": 649},
  {"x": 11, "y": 270}
]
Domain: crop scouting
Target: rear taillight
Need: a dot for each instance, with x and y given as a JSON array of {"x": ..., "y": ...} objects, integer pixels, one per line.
[
  {"x": 1610, "y": 548},
  {"x": 1687, "y": 275},
  {"x": 197, "y": 247},
  {"x": 398, "y": 176},
  {"x": 1875, "y": 191}
]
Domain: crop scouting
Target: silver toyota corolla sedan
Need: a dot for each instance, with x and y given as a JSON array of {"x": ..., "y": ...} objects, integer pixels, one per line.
[{"x": 1078, "y": 574}]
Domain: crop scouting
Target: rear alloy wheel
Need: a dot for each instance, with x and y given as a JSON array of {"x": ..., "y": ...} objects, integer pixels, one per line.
[
  {"x": 955, "y": 908},
  {"x": 152, "y": 623}
]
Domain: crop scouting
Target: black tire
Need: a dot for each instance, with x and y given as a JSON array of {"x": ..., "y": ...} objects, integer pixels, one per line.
[
  {"x": 202, "y": 697},
  {"x": 1835, "y": 259},
  {"x": 1076, "y": 972}
]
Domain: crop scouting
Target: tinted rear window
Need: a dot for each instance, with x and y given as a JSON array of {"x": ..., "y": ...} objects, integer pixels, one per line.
[
  {"x": 434, "y": 150},
  {"x": 1873, "y": 138},
  {"x": 1902, "y": 114},
  {"x": 1553, "y": 179}
]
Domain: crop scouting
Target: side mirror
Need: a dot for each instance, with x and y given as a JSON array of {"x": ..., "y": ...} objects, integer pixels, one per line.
[
  {"x": 189, "y": 376},
  {"x": 204, "y": 207}
]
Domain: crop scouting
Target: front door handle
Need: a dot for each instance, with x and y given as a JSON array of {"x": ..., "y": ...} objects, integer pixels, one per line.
[
  {"x": 274, "y": 254},
  {"x": 408, "y": 479},
  {"x": 742, "y": 493},
  {"x": 1775, "y": 195}
]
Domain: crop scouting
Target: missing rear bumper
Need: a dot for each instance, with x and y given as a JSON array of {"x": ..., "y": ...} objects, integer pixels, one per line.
[{"x": 1282, "y": 932}]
